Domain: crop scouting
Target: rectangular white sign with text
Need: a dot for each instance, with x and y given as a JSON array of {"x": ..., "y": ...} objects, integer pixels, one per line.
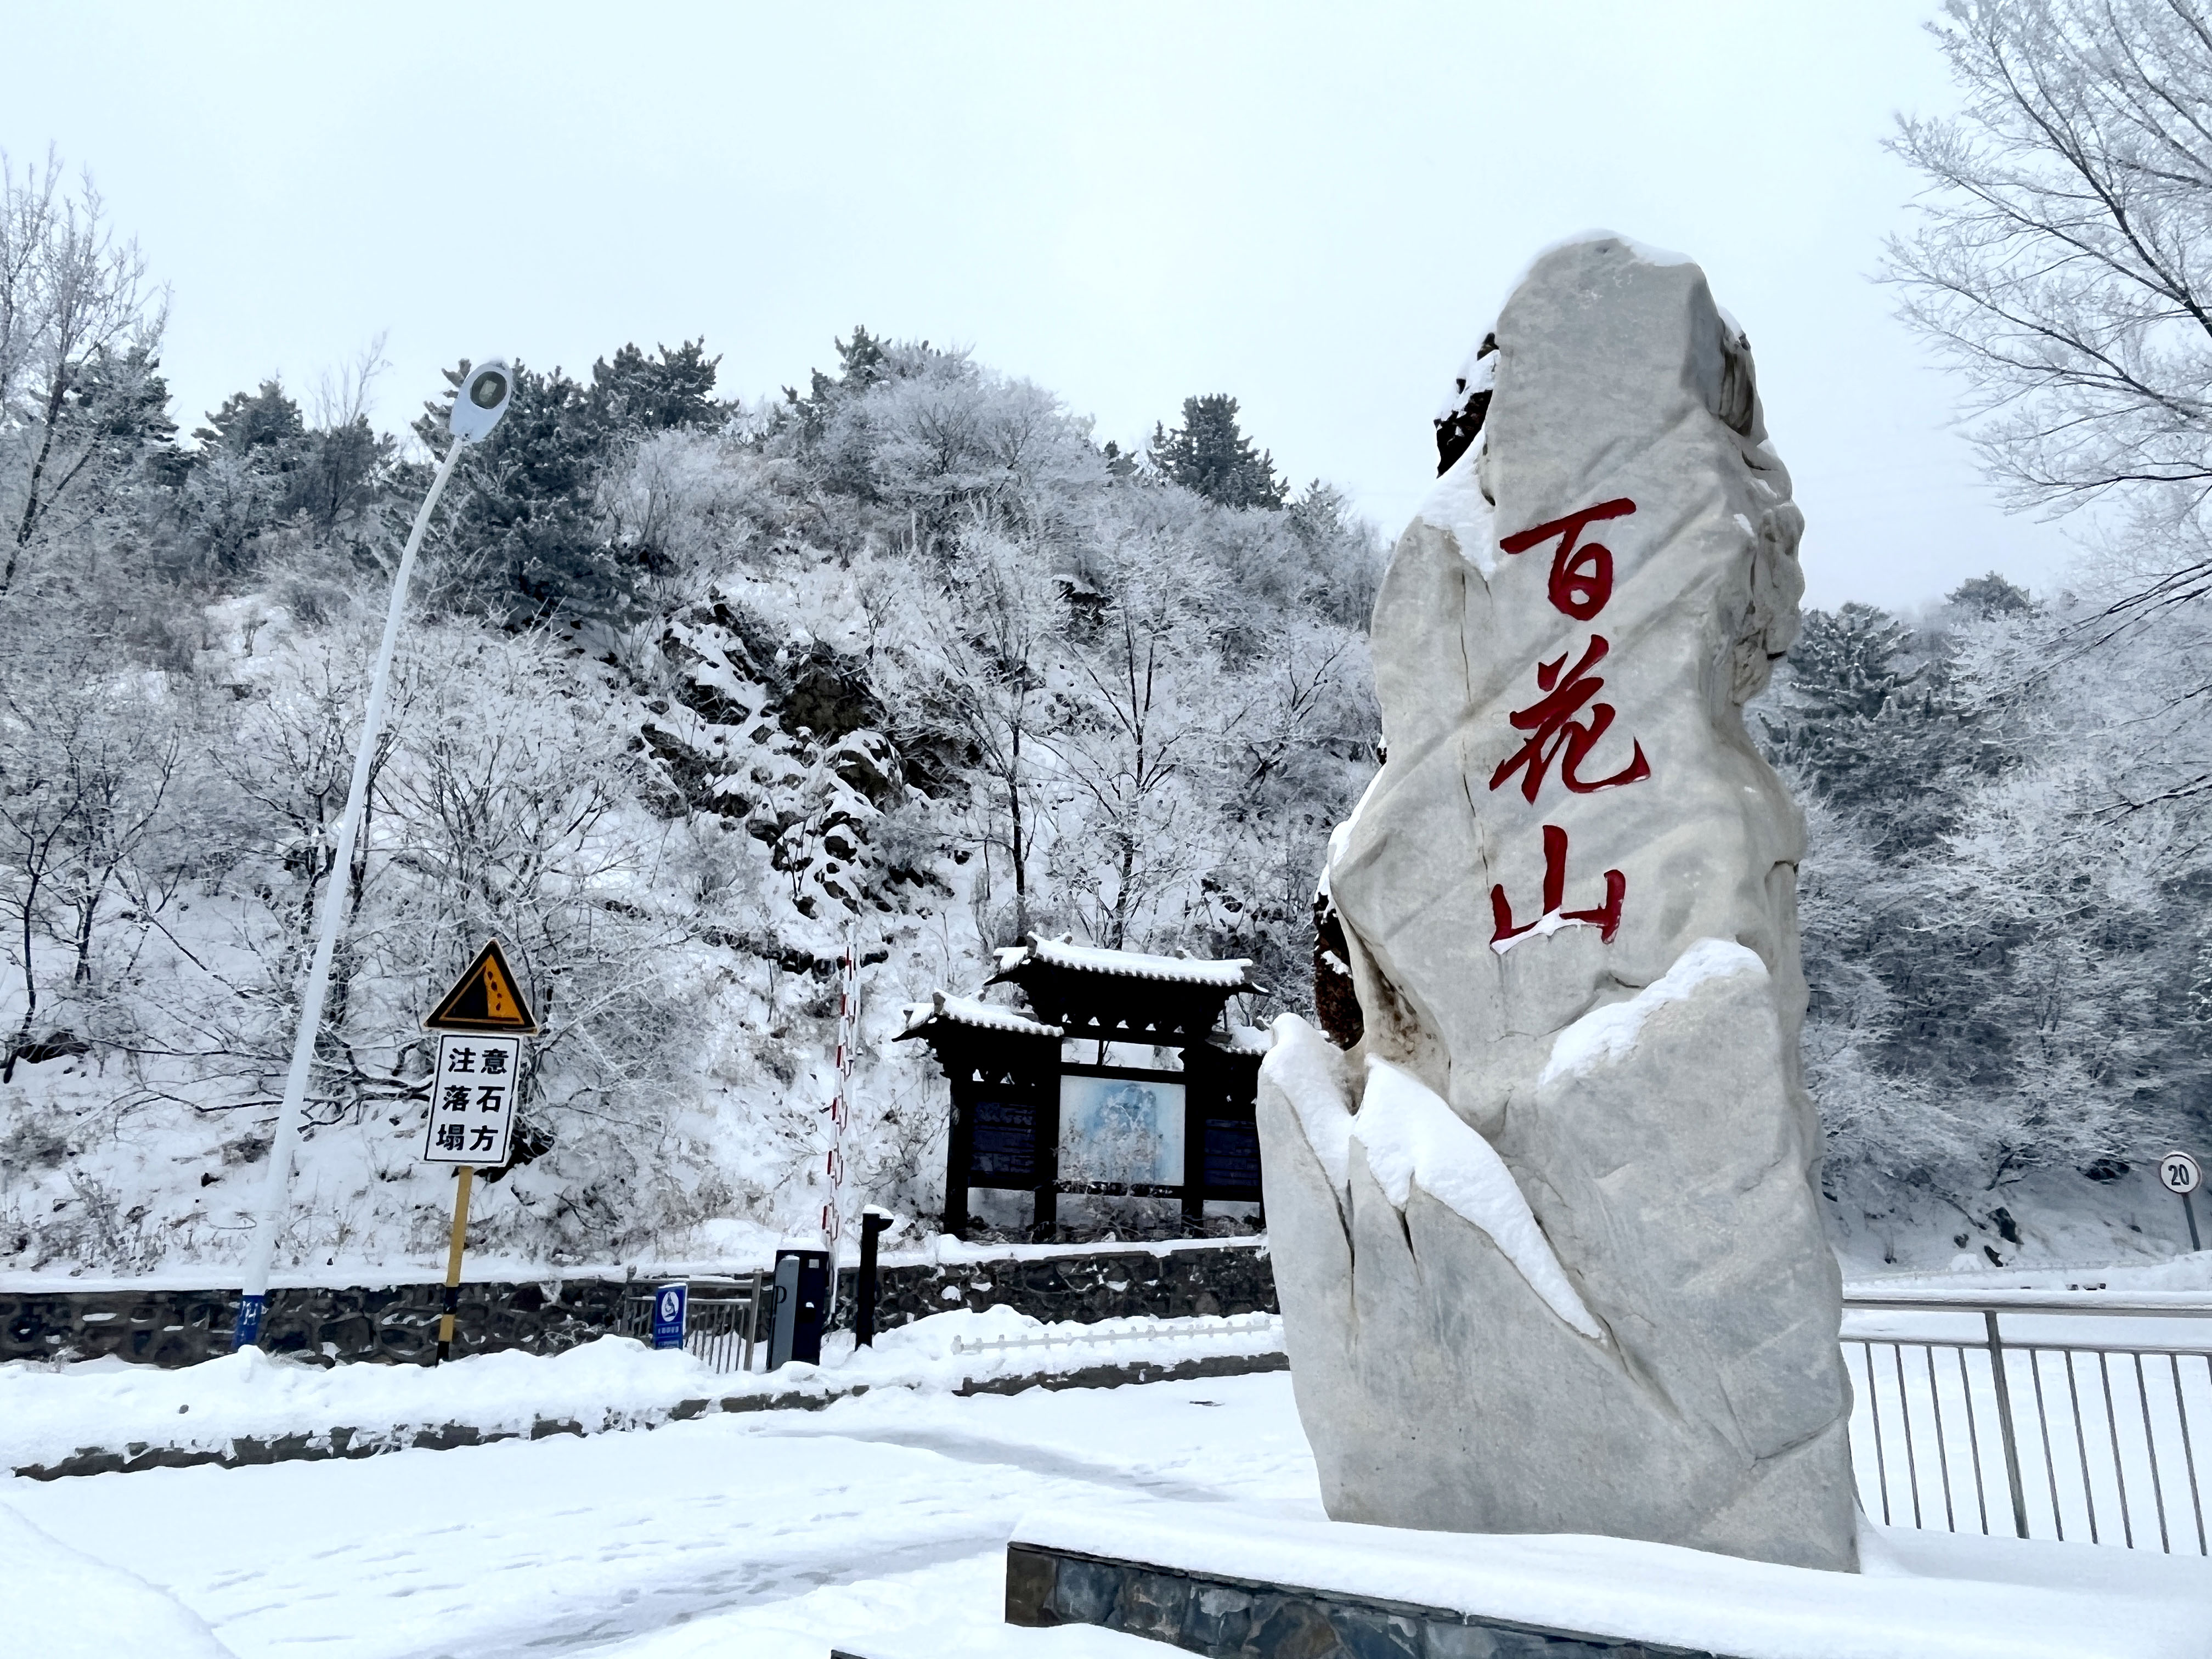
[{"x": 472, "y": 1100}]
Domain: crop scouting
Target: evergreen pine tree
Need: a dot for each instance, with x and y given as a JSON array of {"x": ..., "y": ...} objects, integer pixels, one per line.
[
  {"x": 526, "y": 511},
  {"x": 1871, "y": 720},
  {"x": 1985, "y": 596},
  {"x": 246, "y": 421},
  {"x": 529, "y": 507},
  {"x": 635, "y": 392},
  {"x": 1208, "y": 453},
  {"x": 1845, "y": 676},
  {"x": 861, "y": 362}
]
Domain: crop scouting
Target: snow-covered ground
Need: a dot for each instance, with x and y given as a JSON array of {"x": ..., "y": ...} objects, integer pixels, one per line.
[
  {"x": 771, "y": 1535},
  {"x": 878, "y": 1524},
  {"x": 50, "y": 1411}
]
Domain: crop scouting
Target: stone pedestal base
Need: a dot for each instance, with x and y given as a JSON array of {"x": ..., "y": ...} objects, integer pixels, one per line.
[
  {"x": 1225, "y": 1617},
  {"x": 1224, "y": 1580}
]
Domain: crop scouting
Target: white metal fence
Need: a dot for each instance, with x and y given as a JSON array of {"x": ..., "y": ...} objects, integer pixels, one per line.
[
  {"x": 725, "y": 1320},
  {"x": 1984, "y": 1415},
  {"x": 2029, "y": 1433},
  {"x": 1144, "y": 1329}
]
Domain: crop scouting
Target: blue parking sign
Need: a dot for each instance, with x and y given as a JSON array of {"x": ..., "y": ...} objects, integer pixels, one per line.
[{"x": 669, "y": 1304}]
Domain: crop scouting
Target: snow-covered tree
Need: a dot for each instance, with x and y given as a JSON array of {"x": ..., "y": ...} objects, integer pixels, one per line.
[{"x": 2062, "y": 257}]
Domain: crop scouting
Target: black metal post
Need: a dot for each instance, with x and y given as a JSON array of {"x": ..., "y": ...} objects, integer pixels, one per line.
[
  {"x": 959, "y": 1156},
  {"x": 872, "y": 1222},
  {"x": 1197, "y": 1104},
  {"x": 2189, "y": 1209},
  {"x": 1044, "y": 1211}
]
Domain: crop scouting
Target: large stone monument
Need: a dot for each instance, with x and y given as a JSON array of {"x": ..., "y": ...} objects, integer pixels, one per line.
[{"x": 1546, "y": 1235}]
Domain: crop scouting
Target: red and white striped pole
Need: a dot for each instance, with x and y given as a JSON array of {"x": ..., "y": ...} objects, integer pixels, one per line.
[{"x": 840, "y": 1109}]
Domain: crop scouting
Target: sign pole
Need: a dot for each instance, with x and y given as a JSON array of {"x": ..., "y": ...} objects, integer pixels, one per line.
[
  {"x": 2180, "y": 1175},
  {"x": 453, "y": 1263},
  {"x": 475, "y": 1092}
]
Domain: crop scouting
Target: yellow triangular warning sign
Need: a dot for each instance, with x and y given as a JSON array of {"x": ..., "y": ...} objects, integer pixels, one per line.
[{"x": 484, "y": 999}]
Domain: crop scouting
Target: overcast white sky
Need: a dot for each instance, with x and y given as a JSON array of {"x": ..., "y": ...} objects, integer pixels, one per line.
[{"x": 1313, "y": 207}]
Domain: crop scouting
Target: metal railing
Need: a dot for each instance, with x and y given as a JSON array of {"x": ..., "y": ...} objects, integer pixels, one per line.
[
  {"x": 2029, "y": 1437},
  {"x": 723, "y": 1320}
]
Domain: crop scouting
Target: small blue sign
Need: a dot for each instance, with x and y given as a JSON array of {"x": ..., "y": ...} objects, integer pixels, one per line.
[{"x": 669, "y": 1304}]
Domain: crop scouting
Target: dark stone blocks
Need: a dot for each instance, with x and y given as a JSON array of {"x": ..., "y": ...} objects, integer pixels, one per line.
[
  {"x": 1085, "y": 1285},
  {"x": 398, "y": 1322},
  {"x": 1230, "y": 1619}
]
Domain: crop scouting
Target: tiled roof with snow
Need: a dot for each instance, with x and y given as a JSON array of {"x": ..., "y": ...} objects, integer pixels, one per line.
[
  {"x": 966, "y": 1010},
  {"x": 1132, "y": 964}
]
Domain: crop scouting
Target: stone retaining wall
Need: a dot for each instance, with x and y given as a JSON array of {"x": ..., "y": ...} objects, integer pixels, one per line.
[{"x": 399, "y": 1323}]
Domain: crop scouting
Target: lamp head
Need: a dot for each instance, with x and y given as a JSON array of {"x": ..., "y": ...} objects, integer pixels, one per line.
[{"x": 483, "y": 399}]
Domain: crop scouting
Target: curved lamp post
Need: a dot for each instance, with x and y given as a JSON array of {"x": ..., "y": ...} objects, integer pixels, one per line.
[{"x": 482, "y": 399}]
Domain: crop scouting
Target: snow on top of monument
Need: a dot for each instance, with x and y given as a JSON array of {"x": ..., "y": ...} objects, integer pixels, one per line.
[
  {"x": 1922, "y": 1594},
  {"x": 967, "y": 1011},
  {"x": 1310, "y": 1071},
  {"x": 1606, "y": 1035},
  {"x": 1479, "y": 373},
  {"x": 1646, "y": 252},
  {"x": 1413, "y": 1138},
  {"x": 1457, "y": 504},
  {"x": 1132, "y": 964}
]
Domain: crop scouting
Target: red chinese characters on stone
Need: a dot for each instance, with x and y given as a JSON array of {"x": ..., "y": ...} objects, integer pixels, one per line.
[
  {"x": 1555, "y": 733},
  {"x": 1566, "y": 723},
  {"x": 1605, "y": 917},
  {"x": 1582, "y": 578}
]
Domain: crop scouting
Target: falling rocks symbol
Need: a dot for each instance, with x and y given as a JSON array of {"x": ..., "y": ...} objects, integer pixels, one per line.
[{"x": 484, "y": 999}]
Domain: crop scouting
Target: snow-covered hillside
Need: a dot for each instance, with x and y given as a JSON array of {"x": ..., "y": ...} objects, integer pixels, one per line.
[
  {"x": 696, "y": 689},
  {"x": 910, "y": 661}
]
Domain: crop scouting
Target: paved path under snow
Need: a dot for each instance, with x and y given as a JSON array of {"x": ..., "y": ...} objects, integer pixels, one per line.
[{"x": 765, "y": 1535}]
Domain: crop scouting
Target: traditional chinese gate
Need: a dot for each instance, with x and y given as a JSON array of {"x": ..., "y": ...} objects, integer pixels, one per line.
[{"x": 1027, "y": 1118}]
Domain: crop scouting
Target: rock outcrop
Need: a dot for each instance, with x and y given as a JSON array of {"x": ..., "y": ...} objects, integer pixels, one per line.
[{"x": 1546, "y": 1237}]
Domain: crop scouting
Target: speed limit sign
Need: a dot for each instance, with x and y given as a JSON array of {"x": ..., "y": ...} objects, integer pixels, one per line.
[{"x": 2178, "y": 1173}]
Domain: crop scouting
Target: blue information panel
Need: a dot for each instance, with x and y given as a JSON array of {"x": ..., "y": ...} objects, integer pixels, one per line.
[
  {"x": 670, "y": 1303},
  {"x": 1005, "y": 1142},
  {"x": 1232, "y": 1156}
]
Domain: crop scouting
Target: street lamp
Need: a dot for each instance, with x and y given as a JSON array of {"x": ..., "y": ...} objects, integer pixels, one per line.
[{"x": 482, "y": 398}]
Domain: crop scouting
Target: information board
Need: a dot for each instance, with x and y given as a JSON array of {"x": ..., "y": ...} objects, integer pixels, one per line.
[
  {"x": 1231, "y": 1163},
  {"x": 1005, "y": 1149}
]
